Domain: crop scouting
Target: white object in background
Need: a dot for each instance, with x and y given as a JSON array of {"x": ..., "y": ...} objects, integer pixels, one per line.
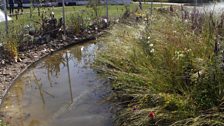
[{"x": 2, "y": 16}]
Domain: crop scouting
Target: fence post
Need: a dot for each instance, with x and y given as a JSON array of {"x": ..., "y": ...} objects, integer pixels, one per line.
[
  {"x": 107, "y": 9},
  {"x": 151, "y": 6},
  {"x": 140, "y": 4},
  {"x": 6, "y": 17},
  {"x": 31, "y": 7},
  {"x": 38, "y": 9},
  {"x": 63, "y": 14},
  {"x": 16, "y": 14}
]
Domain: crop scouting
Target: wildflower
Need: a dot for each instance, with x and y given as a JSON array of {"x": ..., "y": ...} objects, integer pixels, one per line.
[
  {"x": 176, "y": 52},
  {"x": 26, "y": 26},
  {"x": 181, "y": 55},
  {"x": 152, "y": 50},
  {"x": 105, "y": 20},
  {"x": 135, "y": 108},
  {"x": 151, "y": 45},
  {"x": 149, "y": 37},
  {"x": 189, "y": 50},
  {"x": 151, "y": 115}
]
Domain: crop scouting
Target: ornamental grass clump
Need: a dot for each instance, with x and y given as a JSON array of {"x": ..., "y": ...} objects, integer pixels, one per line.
[
  {"x": 11, "y": 49},
  {"x": 189, "y": 56},
  {"x": 173, "y": 67},
  {"x": 11, "y": 43}
]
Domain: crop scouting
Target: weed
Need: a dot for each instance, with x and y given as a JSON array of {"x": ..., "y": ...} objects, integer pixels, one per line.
[{"x": 76, "y": 23}]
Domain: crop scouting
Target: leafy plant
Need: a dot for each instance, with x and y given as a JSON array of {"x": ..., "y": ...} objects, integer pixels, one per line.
[{"x": 94, "y": 4}]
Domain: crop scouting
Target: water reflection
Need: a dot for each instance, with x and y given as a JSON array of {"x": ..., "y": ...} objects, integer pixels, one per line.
[
  {"x": 61, "y": 90},
  {"x": 52, "y": 64},
  {"x": 69, "y": 76},
  {"x": 77, "y": 53},
  {"x": 34, "y": 123}
]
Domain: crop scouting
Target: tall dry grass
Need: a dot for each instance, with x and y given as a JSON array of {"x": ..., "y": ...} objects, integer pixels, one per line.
[{"x": 172, "y": 66}]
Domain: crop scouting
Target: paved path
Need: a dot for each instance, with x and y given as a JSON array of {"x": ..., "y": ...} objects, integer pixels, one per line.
[{"x": 164, "y": 3}]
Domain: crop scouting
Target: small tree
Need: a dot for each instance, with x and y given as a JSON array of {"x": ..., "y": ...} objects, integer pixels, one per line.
[{"x": 94, "y": 5}]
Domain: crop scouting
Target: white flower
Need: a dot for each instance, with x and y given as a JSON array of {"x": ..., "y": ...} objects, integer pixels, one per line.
[
  {"x": 189, "y": 50},
  {"x": 152, "y": 50},
  {"x": 149, "y": 37},
  {"x": 26, "y": 26},
  {"x": 181, "y": 55},
  {"x": 177, "y": 52},
  {"x": 148, "y": 42},
  {"x": 151, "y": 45},
  {"x": 105, "y": 20}
]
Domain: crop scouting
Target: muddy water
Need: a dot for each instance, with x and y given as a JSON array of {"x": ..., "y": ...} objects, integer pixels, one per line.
[{"x": 61, "y": 90}]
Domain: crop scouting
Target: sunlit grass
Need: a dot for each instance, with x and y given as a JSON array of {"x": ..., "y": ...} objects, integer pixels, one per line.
[
  {"x": 166, "y": 68},
  {"x": 31, "y": 17}
]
